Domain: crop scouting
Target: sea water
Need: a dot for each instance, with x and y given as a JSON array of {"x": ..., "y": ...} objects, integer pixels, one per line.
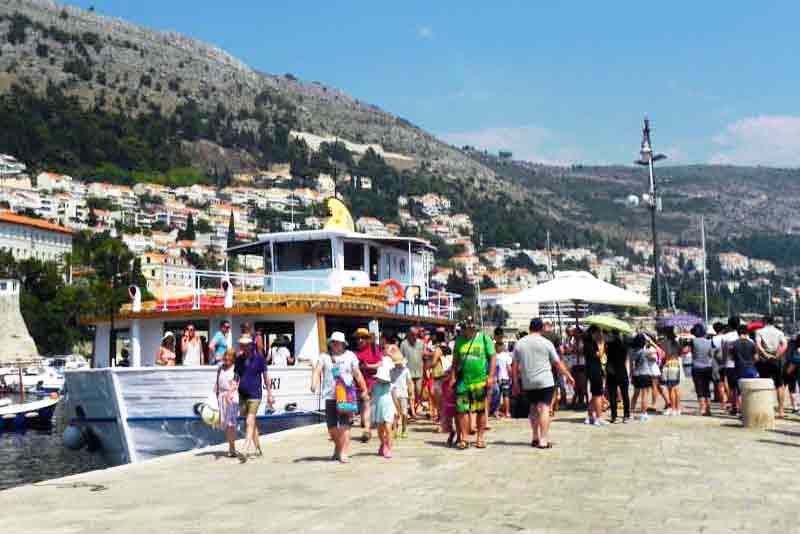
[{"x": 34, "y": 455}]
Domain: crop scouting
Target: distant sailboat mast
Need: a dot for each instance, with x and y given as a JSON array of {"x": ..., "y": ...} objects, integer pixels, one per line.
[{"x": 705, "y": 268}]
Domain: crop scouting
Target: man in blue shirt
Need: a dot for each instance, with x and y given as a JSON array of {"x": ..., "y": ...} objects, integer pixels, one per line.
[{"x": 220, "y": 343}]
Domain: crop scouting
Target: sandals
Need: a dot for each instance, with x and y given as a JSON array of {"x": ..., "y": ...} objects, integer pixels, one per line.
[
  {"x": 462, "y": 445},
  {"x": 548, "y": 446},
  {"x": 480, "y": 444}
]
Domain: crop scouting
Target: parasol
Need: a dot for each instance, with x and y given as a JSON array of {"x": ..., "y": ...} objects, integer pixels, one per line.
[
  {"x": 607, "y": 322},
  {"x": 576, "y": 286}
]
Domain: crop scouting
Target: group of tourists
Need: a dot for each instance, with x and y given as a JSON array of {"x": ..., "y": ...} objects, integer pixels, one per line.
[{"x": 460, "y": 382}]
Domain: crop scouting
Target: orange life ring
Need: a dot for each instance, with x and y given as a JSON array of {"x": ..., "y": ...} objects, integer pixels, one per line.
[{"x": 397, "y": 292}]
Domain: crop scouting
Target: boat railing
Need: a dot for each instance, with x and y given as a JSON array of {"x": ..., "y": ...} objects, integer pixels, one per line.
[
  {"x": 427, "y": 302},
  {"x": 199, "y": 289},
  {"x": 195, "y": 289}
]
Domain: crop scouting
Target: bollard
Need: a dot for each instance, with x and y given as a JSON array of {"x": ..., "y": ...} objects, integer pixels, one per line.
[{"x": 758, "y": 403}]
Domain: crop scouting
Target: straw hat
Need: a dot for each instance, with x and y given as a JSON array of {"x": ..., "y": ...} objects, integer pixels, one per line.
[
  {"x": 245, "y": 339},
  {"x": 394, "y": 353},
  {"x": 167, "y": 334},
  {"x": 338, "y": 336}
]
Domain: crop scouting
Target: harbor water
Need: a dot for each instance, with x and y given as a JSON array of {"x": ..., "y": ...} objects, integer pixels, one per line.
[{"x": 34, "y": 455}]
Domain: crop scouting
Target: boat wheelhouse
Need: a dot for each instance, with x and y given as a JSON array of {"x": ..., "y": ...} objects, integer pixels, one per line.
[{"x": 292, "y": 286}]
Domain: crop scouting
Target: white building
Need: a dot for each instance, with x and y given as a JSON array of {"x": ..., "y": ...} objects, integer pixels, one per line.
[{"x": 26, "y": 237}]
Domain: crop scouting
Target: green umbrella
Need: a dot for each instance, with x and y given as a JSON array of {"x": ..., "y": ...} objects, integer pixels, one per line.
[{"x": 608, "y": 322}]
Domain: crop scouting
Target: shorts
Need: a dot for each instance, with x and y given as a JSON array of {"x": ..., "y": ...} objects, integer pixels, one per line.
[
  {"x": 471, "y": 397},
  {"x": 731, "y": 377},
  {"x": 248, "y": 406},
  {"x": 771, "y": 369},
  {"x": 642, "y": 381},
  {"x": 595, "y": 382},
  {"x": 671, "y": 383},
  {"x": 505, "y": 388},
  {"x": 333, "y": 418},
  {"x": 540, "y": 396},
  {"x": 702, "y": 382}
]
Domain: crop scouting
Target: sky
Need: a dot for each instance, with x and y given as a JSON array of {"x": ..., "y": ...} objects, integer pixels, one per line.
[{"x": 553, "y": 82}]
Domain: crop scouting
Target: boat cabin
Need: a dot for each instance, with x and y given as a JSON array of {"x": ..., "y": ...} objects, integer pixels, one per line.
[{"x": 296, "y": 286}]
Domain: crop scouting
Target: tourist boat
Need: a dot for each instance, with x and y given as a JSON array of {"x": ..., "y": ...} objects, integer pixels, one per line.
[
  {"x": 32, "y": 414},
  {"x": 307, "y": 285}
]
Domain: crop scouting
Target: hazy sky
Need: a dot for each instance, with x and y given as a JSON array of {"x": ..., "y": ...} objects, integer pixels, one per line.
[{"x": 551, "y": 81}]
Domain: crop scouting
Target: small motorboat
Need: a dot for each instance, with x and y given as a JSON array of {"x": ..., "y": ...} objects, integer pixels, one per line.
[{"x": 27, "y": 414}]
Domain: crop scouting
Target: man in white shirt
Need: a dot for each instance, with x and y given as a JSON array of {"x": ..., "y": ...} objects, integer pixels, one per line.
[{"x": 771, "y": 345}]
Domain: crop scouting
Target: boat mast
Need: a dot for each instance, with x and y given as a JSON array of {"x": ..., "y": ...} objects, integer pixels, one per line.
[{"x": 705, "y": 266}]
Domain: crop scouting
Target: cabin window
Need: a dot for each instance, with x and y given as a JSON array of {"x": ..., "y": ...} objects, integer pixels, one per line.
[
  {"x": 353, "y": 256},
  {"x": 303, "y": 255}
]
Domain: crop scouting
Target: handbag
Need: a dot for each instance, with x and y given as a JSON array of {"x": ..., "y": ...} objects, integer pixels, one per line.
[{"x": 345, "y": 394}]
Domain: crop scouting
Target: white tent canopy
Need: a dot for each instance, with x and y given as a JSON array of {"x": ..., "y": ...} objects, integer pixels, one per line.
[{"x": 572, "y": 286}]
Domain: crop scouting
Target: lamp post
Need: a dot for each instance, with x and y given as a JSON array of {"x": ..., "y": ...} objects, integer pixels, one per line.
[{"x": 654, "y": 203}]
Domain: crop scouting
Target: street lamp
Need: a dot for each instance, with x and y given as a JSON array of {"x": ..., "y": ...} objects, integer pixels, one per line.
[{"x": 654, "y": 202}]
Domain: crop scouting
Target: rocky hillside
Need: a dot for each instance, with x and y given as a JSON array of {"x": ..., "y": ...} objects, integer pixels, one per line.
[{"x": 111, "y": 64}]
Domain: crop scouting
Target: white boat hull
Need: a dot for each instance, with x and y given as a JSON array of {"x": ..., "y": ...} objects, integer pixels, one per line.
[{"x": 142, "y": 413}]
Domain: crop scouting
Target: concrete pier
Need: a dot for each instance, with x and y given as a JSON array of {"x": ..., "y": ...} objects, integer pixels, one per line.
[{"x": 673, "y": 474}]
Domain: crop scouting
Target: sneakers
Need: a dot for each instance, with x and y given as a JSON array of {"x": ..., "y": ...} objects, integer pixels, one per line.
[
  {"x": 387, "y": 452},
  {"x": 626, "y": 420},
  {"x": 600, "y": 422},
  {"x": 668, "y": 412},
  {"x": 644, "y": 418},
  {"x": 588, "y": 421}
]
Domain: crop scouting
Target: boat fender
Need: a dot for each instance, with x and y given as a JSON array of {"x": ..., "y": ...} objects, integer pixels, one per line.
[
  {"x": 74, "y": 438},
  {"x": 396, "y": 292}
]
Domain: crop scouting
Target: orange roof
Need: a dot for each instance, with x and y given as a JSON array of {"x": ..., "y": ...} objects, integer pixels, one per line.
[{"x": 13, "y": 218}]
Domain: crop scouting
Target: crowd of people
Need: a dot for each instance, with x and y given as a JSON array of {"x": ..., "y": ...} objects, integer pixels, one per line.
[{"x": 458, "y": 381}]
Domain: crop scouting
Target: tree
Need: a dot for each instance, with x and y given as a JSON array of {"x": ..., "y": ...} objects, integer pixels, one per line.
[
  {"x": 232, "y": 242},
  {"x": 188, "y": 234}
]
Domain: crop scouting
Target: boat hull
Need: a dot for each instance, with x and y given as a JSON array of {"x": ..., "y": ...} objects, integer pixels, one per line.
[
  {"x": 34, "y": 414},
  {"x": 141, "y": 413}
]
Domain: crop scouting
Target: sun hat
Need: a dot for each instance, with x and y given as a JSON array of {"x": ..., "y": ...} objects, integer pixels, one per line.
[
  {"x": 167, "y": 334},
  {"x": 338, "y": 336},
  {"x": 245, "y": 339},
  {"x": 363, "y": 332},
  {"x": 394, "y": 353}
]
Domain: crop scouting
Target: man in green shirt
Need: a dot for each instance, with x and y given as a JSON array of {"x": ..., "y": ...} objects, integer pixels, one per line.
[{"x": 473, "y": 376}]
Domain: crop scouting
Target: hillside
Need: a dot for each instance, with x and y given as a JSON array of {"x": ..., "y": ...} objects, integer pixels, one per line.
[
  {"x": 113, "y": 65},
  {"x": 736, "y": 201}
]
